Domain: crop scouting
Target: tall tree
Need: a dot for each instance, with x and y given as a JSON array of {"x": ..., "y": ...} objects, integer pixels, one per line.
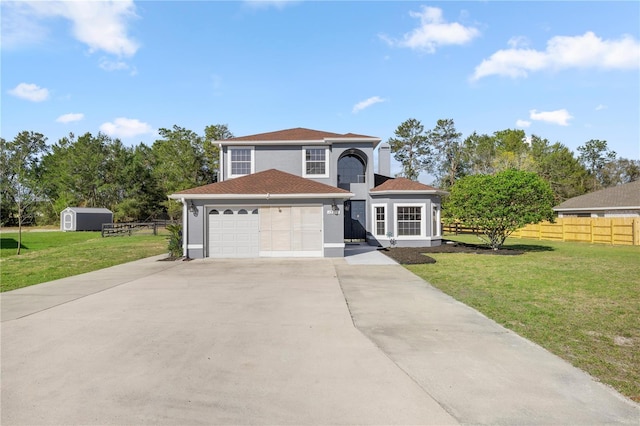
[
  {"x": 557, "y": 165},
  {"x": 595, "y": 154},
  {"x": 512, "y": 150},
  {"x": 211, "y": 151},
  {"x": 22, "y": 158},
  {"x": 479, "y": 153},
  {"x": 178, "y": 159},
  {"x": 78, "y": 170},
  {"x": 501, "y": 203},
  {"x": 620, "y": 171},
  {"x": 410, "y": 148},
  {"x": 6, "y": 199},
  {"x": 449, "y": 159},
  {"x": 179, "y": 163}
]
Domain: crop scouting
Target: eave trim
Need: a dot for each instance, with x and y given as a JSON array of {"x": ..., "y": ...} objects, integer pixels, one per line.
[{"x": 260, "y": 196}]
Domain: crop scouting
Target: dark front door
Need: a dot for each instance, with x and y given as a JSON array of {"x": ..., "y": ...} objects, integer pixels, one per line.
[{"x": 355, "y": 220}]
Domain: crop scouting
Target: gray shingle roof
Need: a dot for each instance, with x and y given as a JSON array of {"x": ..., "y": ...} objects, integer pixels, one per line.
[{"x": 616, "y": 197}]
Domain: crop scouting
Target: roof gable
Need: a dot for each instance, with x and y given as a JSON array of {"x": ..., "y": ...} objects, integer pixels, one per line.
[
  {"x": 626, "y": 195},
  {"x": 91, "y": 210},
  {"x": 269, "y": 182}
]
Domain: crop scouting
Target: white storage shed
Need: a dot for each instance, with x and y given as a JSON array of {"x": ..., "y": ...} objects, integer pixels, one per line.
[{"x": 84, "y": 218}]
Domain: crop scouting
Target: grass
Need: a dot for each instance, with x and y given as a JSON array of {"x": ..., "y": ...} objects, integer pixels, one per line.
[
  {"x": 47, "y": 256},
  {"x": 579, "y": 301}
]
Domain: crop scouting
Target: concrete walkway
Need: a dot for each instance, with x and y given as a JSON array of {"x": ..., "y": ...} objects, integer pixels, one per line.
[{"x": 273, "y": 341}]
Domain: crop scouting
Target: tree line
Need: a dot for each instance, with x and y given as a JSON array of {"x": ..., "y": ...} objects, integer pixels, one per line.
[
  {"x": 38, "y": 181},
  {"x": 498, "y": 183},
  {"x": 443, "y": 153}
]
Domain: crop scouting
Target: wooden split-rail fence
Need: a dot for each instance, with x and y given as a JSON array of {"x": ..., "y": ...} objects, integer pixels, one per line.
[{"x": 128, "y": 228}]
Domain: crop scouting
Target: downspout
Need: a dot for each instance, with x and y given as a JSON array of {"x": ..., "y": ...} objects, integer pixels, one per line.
[
  {"x": 221, "y": 162},
  {"x": 185, "y": 212}
]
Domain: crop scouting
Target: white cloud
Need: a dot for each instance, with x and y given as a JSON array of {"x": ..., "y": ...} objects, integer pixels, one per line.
[
  {"x": 68, "y": 118},
  {"x": 18, "y": 26},
  {"x": 562, "y": 52},
  {"x": 560, "y": 116},
  {"x": 30, "y": 92},
  {"x": 109, "y": 65},
  {"x": 433, "y": 32},
  {"x": 101, "y": 25},
  {"x": 601, "y": 107},
  {"x": 366, "y": 103},
  {"x": 125, "y": 128},
  {"x": 523, "y": 124},
  {"x": 264, "y": 4}
]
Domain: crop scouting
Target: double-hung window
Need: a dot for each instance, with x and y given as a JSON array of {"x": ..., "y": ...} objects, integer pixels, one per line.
[
  {"x": 315, "y": 162},
  {"x": 410, "y": 220},
  {"x": 379, "y": 220},
  {"x": 240, "y": 161}
]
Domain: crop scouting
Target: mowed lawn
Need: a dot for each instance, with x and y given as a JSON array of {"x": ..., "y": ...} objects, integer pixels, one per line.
[
  {"x": 51, "y": 255},
  {"x": 579, "y": 301}
]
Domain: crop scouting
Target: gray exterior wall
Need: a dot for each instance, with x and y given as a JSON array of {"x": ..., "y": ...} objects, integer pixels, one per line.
[
  {"x": 196, "y": 234},
  {"x": 288, "y": 158},
  {"x": 391, "y": 201}
]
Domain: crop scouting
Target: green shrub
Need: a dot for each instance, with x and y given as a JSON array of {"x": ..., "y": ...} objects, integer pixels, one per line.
[{"x": 175, "y": 240}]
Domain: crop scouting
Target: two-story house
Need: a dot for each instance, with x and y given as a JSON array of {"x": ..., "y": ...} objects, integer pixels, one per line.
[{"x": 305, "y": 193}]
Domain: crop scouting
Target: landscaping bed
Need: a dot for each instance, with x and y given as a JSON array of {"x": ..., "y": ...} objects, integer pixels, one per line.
[{"x": 420, "y": 255}]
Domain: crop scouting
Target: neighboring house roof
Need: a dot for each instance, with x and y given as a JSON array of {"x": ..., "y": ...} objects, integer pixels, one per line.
[
  {"x": 298, "y": 134},
  {"x": 402, "y": 185},
  {"x": 88, "y": 210},
  {"x": 626, "y": 196},
  {"x": 267, "y": 184}
]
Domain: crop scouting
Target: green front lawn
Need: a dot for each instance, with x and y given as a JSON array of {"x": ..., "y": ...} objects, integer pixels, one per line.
[
  {"x": 580, "y": 301},
  {"x": 51, "y": 255}
]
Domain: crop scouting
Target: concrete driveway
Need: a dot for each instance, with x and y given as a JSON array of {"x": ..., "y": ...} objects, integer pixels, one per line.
[{"x": 276, "y": 342}]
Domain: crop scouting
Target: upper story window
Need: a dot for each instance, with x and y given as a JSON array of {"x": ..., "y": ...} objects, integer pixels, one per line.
[
  {"x": 315, "y": 162},
  {"x": 351, "y": 169},
  {"x": 241, "y": 161}
]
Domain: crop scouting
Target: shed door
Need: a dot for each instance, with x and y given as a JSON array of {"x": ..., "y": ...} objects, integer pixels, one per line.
[
  {"x": 233, "y": 232},
  {"x": 67, "y": 221}
]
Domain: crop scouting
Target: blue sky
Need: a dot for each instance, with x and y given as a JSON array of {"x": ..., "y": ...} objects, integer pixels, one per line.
[{"x": 565, "y": 71}]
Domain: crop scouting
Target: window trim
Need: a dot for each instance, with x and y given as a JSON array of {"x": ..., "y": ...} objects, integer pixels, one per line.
[
  {"x": 326, "y": 162},
  {"x": 436, "y": 220},
  {"x": 374, "y": 219},
  {"x": 423, "y": 221},
  {"x": 229, "y": 163}
]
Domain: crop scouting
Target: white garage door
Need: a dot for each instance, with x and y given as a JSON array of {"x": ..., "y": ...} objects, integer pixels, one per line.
[
  {"x": 234, "y": 232},
  {"x": 291, "y": 231},
  {"x": 285, "y": 231}
]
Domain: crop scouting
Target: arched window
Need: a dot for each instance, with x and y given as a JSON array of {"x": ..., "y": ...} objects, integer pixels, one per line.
[
  {"x": 242, "y": 211},
  {"x": 351, "y": 169},
  {"x": 228, "y": 211},
  {"x": 214, "y": 211},
  {"x": 255, "y": 211}
]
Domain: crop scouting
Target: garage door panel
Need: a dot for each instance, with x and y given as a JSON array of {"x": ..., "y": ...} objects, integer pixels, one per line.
[
  {"x": 234, "y": 234},
  {"x": 291, "y": 231}
]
